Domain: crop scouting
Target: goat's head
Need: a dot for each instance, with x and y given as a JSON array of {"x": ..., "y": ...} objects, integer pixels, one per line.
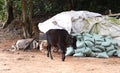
[{"x": 71, "y": 40}]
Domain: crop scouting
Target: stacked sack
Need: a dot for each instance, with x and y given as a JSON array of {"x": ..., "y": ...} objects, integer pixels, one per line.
[{"x": 94, "y": 45}]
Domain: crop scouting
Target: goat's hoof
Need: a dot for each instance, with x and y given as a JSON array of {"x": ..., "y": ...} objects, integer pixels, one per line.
[
  {"x": 51, "y": 58},
  {"x": 47, "y": 55},
  {"x": 63, "y": 59}
]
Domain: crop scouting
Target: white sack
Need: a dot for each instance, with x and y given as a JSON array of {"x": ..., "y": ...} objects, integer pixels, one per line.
[
  {"x": 83, "y": 21},
  {"x": 59, "y": 21},
  {"x": 64, "y": 20}
]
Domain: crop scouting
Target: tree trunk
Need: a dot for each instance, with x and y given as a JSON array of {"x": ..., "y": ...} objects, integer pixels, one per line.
[
  {"x": 10, "y": 15},
  {"x": 26, "y": 21},
  {"x": 70, "y": 4},
  {"x": 30, "y": 16},
  {"x": 30, "y": 11}
]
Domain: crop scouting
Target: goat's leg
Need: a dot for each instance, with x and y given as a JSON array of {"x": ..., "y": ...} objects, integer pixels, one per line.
[
  {"x": 63, "y": 49},
  {"x": 49, "y": 51},
  {"x": 51, "y": 54},
  {"x": 63, "y": 55}
]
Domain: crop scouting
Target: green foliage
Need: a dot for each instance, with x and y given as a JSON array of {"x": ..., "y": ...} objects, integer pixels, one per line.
[
  {"x": 45, "y": 7},
  {"x": 17, "y": 5},
  {"x": 55, "y": 6},
  {"x": 41, "y": 7},
  {"x": 2, "y": 9}
]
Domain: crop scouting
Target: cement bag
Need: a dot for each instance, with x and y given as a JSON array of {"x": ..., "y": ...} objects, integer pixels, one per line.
[
  {"x": 98, "y": 42},
  {"x": 112, "y": 52},
  {"x": 88, "y": 39},
  {"x": 106, "y": 43},
  {"x": 114, "y": 42},
  {"x": 117, "y": 39},
  {"x": 98, "y": 37},
  {"x": 93, "y": 54},
  {"x": 116, "y": 47},
  {"x": 102, "y": 48},
  {"x": 87, "y": 35},
  {"x": 102, "y": 55},
  {"x": 78, "y": 50},
  {"x": 87, "y": 51},
  {"x": 89, "y": 44},
  {"x": 94, "y": 49},
  {"x": 110, "y": 48},
  {"x": 70, "y": 51},
  {"x": 79, "y": 37},
  {"x": 78, "y": 54},
  {"x": 118, "y": 52},
  {"x": 80, "y": 44}
]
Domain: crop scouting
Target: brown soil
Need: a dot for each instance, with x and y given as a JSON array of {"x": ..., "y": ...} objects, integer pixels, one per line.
[{"x": 36, "y": 62}]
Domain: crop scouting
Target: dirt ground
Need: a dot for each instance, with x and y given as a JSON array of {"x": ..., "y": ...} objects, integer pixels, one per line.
[{"x": 37, "y": 62}]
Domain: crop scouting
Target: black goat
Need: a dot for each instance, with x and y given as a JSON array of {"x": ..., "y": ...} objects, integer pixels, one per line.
[{"x": 61, "y": 39}]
